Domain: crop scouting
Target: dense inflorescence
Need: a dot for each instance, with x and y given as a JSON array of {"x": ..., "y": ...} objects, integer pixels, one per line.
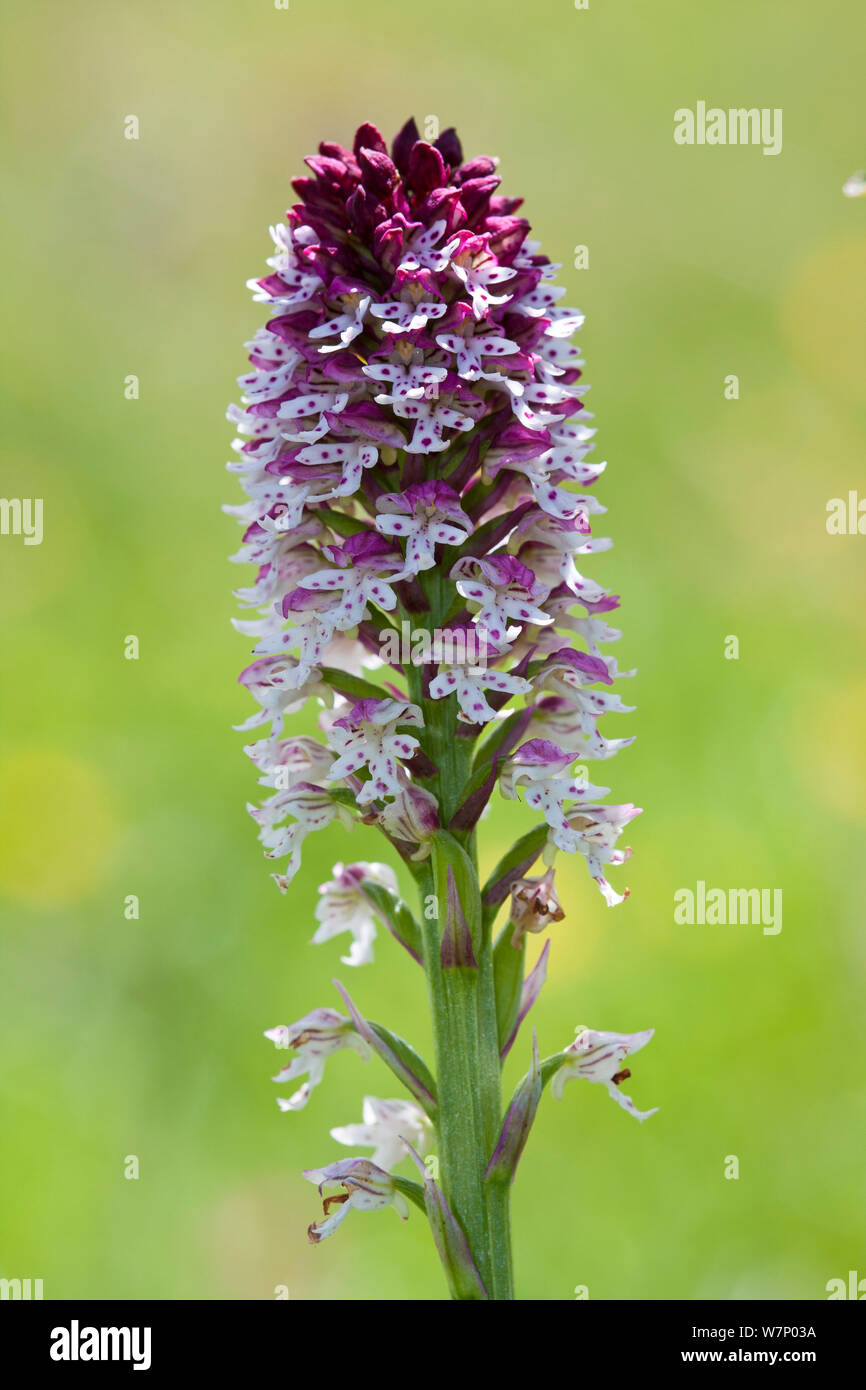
[{"x": 414, "y": 405}]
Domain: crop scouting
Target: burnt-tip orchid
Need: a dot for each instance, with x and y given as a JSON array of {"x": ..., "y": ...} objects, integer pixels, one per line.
[{"x": 413, "y": 445}]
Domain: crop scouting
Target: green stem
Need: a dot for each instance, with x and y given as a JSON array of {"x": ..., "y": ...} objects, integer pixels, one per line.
[
  {"x": 469, "y": 1104},
  {"x": 463, "y": 1008}
]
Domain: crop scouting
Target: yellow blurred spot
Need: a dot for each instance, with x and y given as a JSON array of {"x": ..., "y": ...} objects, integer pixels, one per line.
[
  {"x": 824, "y": 317},
  {"x": 835, "y": 716},
  {"x": 57, "y": 827}
]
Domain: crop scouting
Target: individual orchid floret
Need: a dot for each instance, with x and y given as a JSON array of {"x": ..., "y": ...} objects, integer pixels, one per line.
[
  {"x": 406, "y": 380},
  {"x": 313, "y": 1039},
  {"x": 312, "y": 808},
  {"x": 348, "y": 325},
  {"x": 314, "y": 622},
  {"x": 598, "y": 1057},
  {"x": 421, "y": 250},
  {"x": 425, "y": 515},
  {"x": 534, "y": 905},
  {"x": 410, "y": 313},
  {"x": 473, "y": 264},
  {"x": 365, "y": 1187},
  {"x": 567, "y": 671},
  {"x": 593, "y": 832},
  {"x": 538, "y": 767},
  {"x": 286, "y": 762},
  {"x": 431, "y": 419},
  {"x": 351, "y": 456},
  {"x": 388, "y": 1126},
  {"x": 272, "y": 553},
  {"x": 305, "y": 419},
  {"x": 343, "y": 907},
  {"x": 548, "y": 544},
  {"x": 367, "y": 737},
  {"x": 363, "y": 564},
  {"x": 464, "y": 676},
  {"x": 471, "y": 349},
  {"x": 505, "y": 589},
  {"x": 572, "y": 723},
  {"x": 281, "y": 686}
]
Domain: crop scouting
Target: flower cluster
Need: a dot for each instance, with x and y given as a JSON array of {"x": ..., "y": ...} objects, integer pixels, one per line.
[{"x": 414, "y": 405}]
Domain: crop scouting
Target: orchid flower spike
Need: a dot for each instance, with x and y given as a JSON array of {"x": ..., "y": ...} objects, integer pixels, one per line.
[{"x": 419, "y": 508}]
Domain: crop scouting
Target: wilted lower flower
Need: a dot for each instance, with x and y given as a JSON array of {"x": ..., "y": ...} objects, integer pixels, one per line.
[
  {"x": 365, "y": 1187},
  {"x": 534, "y": 905},
  {"x": 598, "y": 1057}
]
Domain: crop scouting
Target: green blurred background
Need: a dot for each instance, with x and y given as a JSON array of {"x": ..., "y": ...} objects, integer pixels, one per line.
[{"x": 119, "y": 777}]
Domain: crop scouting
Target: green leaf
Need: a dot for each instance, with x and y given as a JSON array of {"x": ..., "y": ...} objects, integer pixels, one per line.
[
  {"x": 484, "y": 754},
  {"x": 508, "y": 964},
  {"x": 343, "y": 796},
  {"x": 413, "y": 1190},
  {"x": 339, "y": 522},
  {"x": 517, "y": 1124},
  {"x": 511, "y": 866},
  {"x": 354, "y": 686},
  {"x": 396, "y": 915},
  {"x": 396, "y": 1053},
  {"x": 460, "y": 1268},
  {"x": 455, "y": 884},
  {"x": 409, "y": 1066}
]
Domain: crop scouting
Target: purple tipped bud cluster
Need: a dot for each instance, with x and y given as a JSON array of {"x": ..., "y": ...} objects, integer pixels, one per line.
[{"x": 415, "y": 404}]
